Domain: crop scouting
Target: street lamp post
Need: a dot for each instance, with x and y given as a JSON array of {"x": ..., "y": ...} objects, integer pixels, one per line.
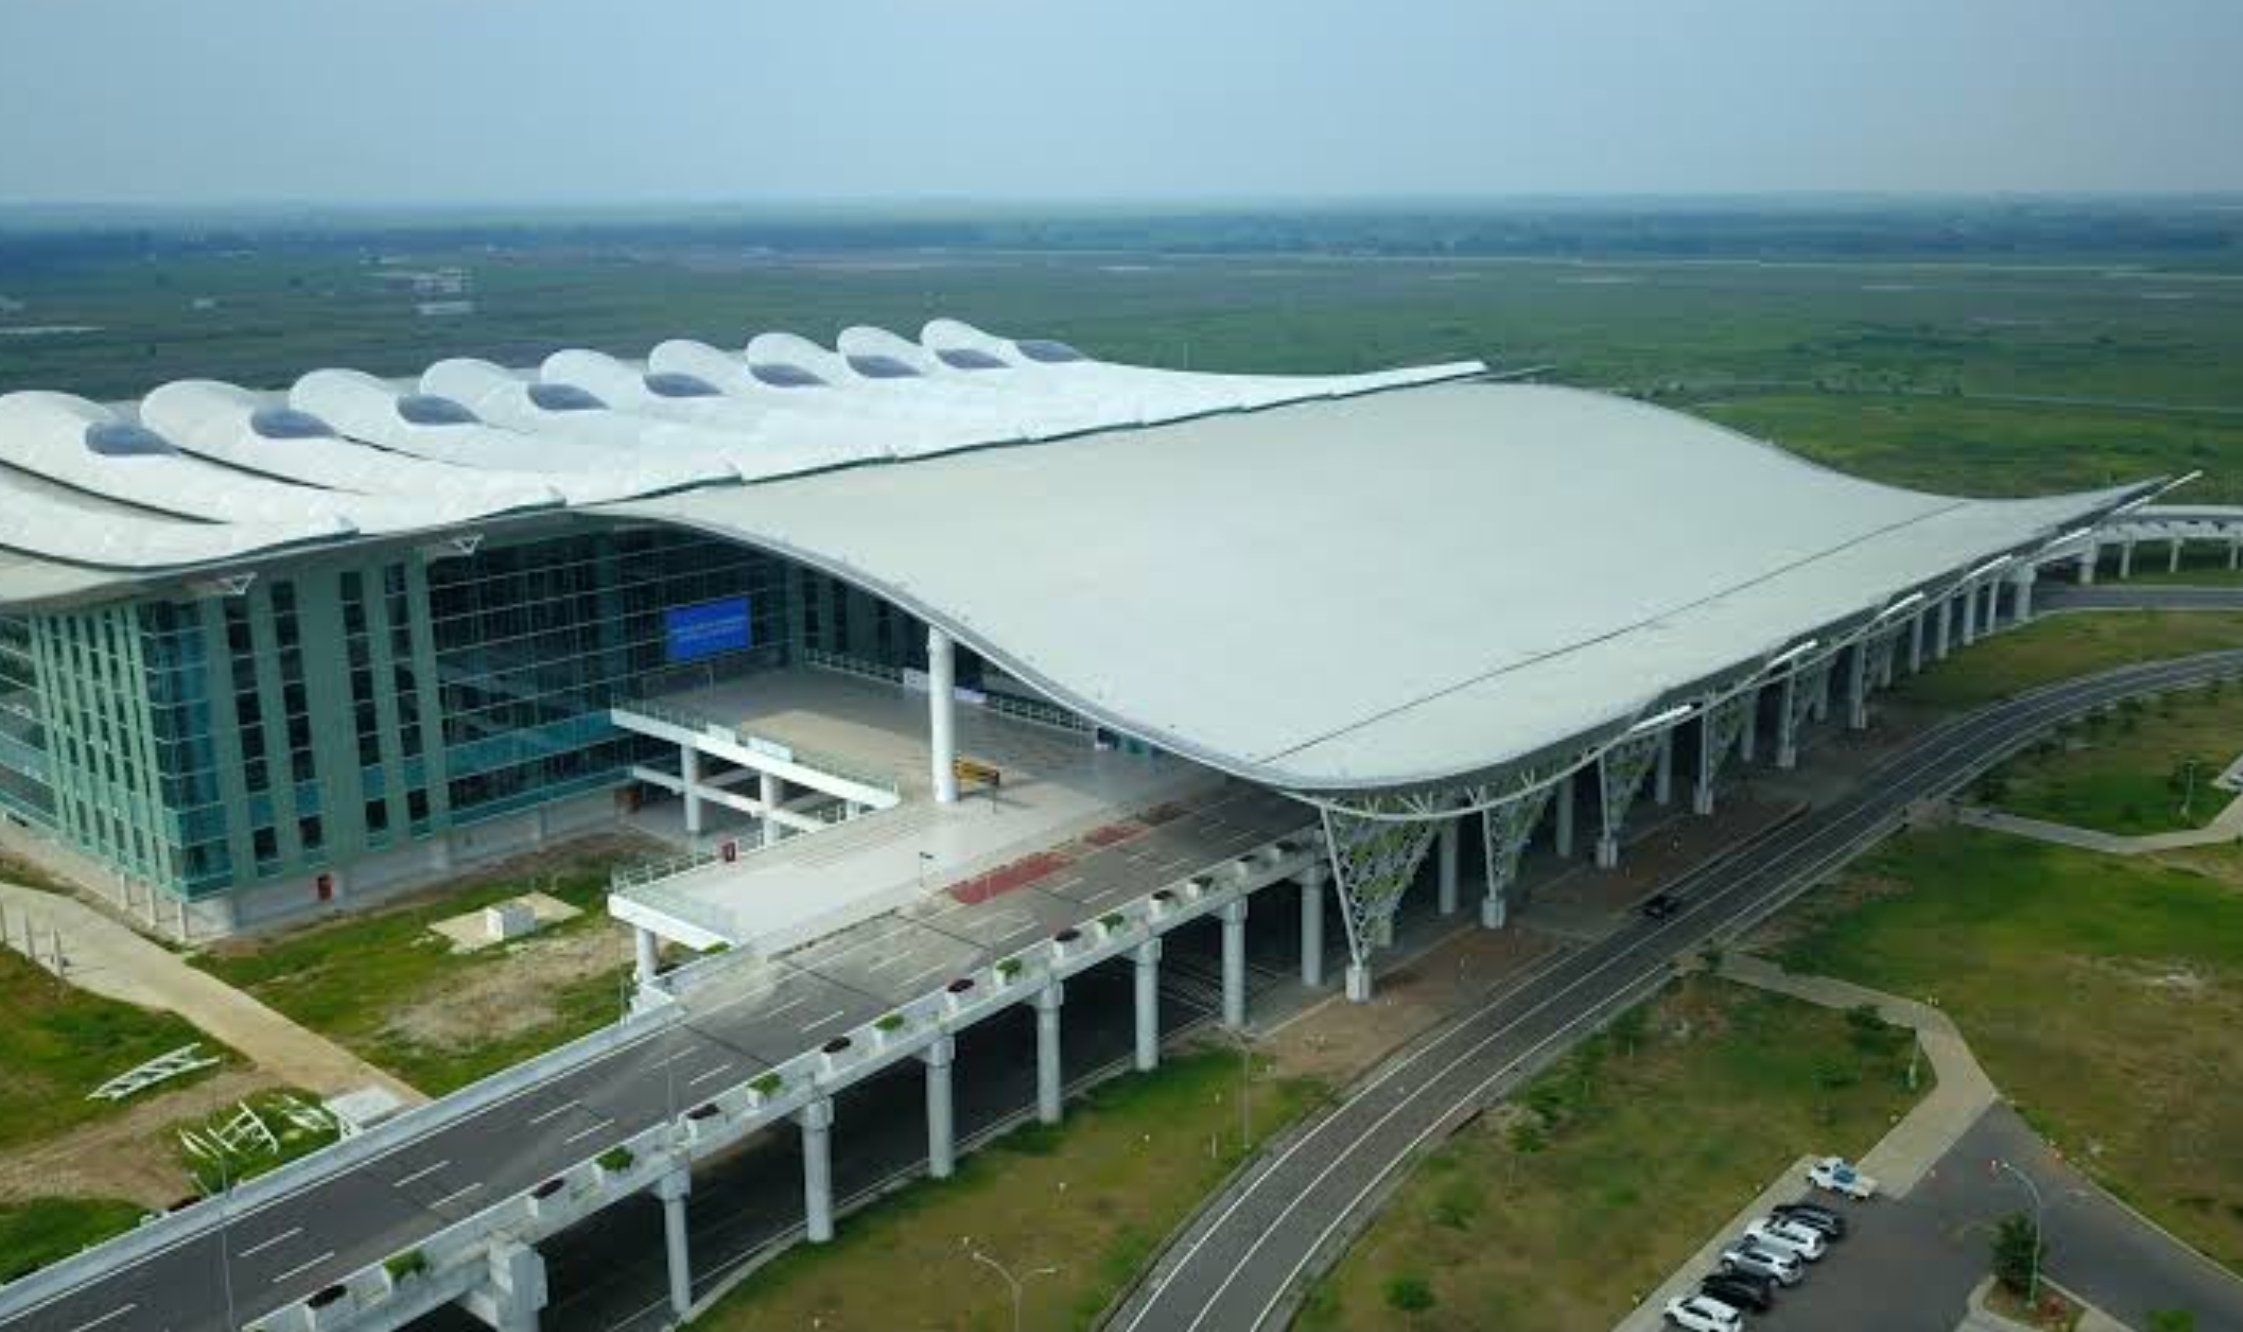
[
  {"x": 1012, "y": 1284},
  {"x": 2033, "y": 1280}
]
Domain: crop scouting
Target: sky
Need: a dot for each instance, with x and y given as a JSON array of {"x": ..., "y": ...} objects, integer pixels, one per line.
[{"x": 412, "y": 102}]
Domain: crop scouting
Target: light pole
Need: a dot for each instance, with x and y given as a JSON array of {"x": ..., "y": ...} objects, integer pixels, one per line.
[
  {"x": 2033, "y": 1280},
  {"x": 1012, "y": 1284}
]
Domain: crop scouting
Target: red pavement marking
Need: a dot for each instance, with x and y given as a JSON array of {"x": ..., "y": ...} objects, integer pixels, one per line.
[
  {"x": 1168, "y": 813},
  {"x": 1005, "y": 878},
  {"x": 1114, "y": 833}
]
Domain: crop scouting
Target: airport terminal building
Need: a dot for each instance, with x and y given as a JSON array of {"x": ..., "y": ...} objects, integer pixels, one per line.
[{"x": 269, "y": 652}]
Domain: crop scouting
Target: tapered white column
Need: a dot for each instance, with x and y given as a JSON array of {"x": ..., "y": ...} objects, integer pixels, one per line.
[
  {"x": 1147, "y": 978},
  {"x": 673, "y": 1189},
  {"x": 942, "y": 1136},
  {"x": 1312, "y": 926},
  {"x": 1970, "y": 616},
  {"x": 816, "y": 1120},
  {"x": 2173, "y": 556},
  {"x": 2235, "y": 553},
  {"x": 1561, "y": 832},
  {"x": 2021, "y": 597},
  {"x": 1748, "y": 739},
  {"x": 1234, "y": 964},
  {"x": 1943, "y": 630},
  {"x": 1701, "y": 787},
  {"x": 772, "y": 792},
  {"x": 942, "y": 714},
  {"x": 1662, "y": 770},
  {"x": 1857, "y": 687},
  {"x": 1049, "y": 1085},
  {"x": 1787, "y": 724},
  {"x": 2087, "y": 561},
  {"x": 643, "y": 949},
  {"x": 1916, "y": 643},
  {"x": 689, "y": 769},
  {"x": 2126, "y": 558},
  {"x": 1445, "y": 866}
]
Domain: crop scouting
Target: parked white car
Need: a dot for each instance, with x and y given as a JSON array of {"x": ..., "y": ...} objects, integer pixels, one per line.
[
  {"x": 1770, "y": 1233},
  {"x": 1703, "y": 1313},
  {"x": 1836, "y": 1175},
  {"x": 1779, "y": 1265}
]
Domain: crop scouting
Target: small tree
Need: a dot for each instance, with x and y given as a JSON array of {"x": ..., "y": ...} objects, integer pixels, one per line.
[
  {"x": 2016, "y": 1253},
  {"x": 1410, "y": 1294}
]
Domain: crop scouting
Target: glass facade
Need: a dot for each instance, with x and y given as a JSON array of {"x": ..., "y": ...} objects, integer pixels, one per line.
[{"x": 334, "y": 710}]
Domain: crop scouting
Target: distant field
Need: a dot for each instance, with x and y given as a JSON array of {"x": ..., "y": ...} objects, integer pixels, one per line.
[
  {"x": 1758, "y": 342},
  {"x": 2058, "y": 647},
  {"x": 2145, "y": 768}
]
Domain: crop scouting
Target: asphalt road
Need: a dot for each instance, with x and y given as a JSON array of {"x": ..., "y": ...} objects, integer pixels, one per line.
[
  {"x": 1912, "y": 1263},
  {"x": 287, "y": 1248},
  {"x": 2130, "y": 596},
  {"x": 1244, "y": 1263}
]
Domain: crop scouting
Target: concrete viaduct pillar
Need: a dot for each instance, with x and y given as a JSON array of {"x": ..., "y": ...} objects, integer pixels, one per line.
[
  {"x": 1445, "y": 858},
  {"x": 1916, "y": 643},
  {"x": 512, "y": 1290},
  {"x": 2173, "y": 556},
  {"x": 673, "y": 1189},
  {"x": 1701, "y": 787},
  {"x": 772, "y": 791},
  {"x": 1234, "y": 964},
  {"x": 1787, "y": 724},
  {"x": 1943, "y": 629},
  {"x": 689, "y": 771},
  {"x": 646, "y": 961},
  {"x": 1662, "y": 770},
  {"x": 1561, "y": 837},
  {"x": 1147, "y": 958},
  {"x": 942, "y": 1133},
  {"x": 1857, "y": 687},
  {"x": 1049, "y": 1085},
  {"x": 1748, "y": 738},
  {"x": 2087, "y": 562},
  {"x": 2126, "y": 558},
  {"x": 1312, "y": 926},
  {"x": 816, "y": 1120}
]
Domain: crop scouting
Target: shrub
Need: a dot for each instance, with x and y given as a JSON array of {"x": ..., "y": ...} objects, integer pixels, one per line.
[
  {"x": 1113, "y": 920},
  {"x": 890, "y": 1023},
  {"x": 2015, "y": 1242},
  {"x": 410, "y": 1263},
  {"x": 1410, "y": 1294},
  {"x": 616, "y": 1160},
  {"x": 1008, "y": 969},
  {"x": 768, "y": 1084}
]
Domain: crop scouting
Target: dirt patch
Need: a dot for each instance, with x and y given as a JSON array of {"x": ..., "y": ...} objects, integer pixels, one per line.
[
  {"x": 1849, "y": 892},
  {"x": 132, "y": 1156},
  {"x": 502, "y": 1002},
  {"x": 1338, "y": 1040}
]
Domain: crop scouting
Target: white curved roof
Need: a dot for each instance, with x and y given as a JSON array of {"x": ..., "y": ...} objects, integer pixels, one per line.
[{"x": 1395, "y": 590}]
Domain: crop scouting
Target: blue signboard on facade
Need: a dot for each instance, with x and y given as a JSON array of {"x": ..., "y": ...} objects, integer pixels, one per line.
[{"x": 708, "y": 629}]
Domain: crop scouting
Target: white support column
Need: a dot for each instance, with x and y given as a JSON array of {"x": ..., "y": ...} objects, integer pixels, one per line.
[
  {"x": 1916, "y": 643},
  {"x": 2173, "y": 556},
  {"x": 2126, "y": 558},
  {"x": 513, "y": 1290},
  {"x": 2235, "y": 552},
  {"x": 1943, "y": 629},
  {"x": 1147, "y": 957},
  {"x": 942, "y": 714},
  {"x": 1234, "y": 964},
  {"x": 2021, "y": 596},
  {"x": 689, "y": 768},
  {"x": 1748, "y": 739},
  {"x": 773, "y": 793},
  {"x": 942, "y": 1135},
  {"x": 1050, "y": 1087},
  {"x": 1822, "y": 692},
  {"x": 673, "y": 1189},
  {"x": 1662, "y": 770},
  {"x": 1358, "y": 983},
  {"x": 1993, "y": 620},
  {"x": 816, "y": 1120},
  {"x": 1970, "y": 615},
  {"x": 1787, "y": 724},
  {"x": 643, "y": 948},
  {"x": 1445, "y": 871},
  {"x": 1857, "y": 687},
  {"x": 1561, "y": 834},
  {"x": 2087, "y": 561},
  {"x": 1701, "y": 786},
  {"x": 1312, "y": 926}
]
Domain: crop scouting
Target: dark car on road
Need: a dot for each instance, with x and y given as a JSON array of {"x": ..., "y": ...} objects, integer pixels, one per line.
[
  {"x": 1813, "y": 1216},
  {"x": 1740, "y": 1290},
  {"x": 1659, "y": 906}
]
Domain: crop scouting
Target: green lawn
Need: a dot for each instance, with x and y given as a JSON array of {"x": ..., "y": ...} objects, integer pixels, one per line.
[
  {"x": 1092, "y": 1199},
  {"x": 2102, "y": 993},
  {"x": 2145, "y": 767},
  {"x": 2060, "y": 647},
  {"x": 1564, "y": 1207},
  {"x": 46, "y": 1230},
  {"x": 351, "y": 977},
  {"x": 58, "y": 1043}
]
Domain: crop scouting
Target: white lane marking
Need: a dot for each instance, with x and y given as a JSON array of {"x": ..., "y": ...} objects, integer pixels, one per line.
[
  {"x": 555, "y": 1113},
  {"x": 454, "y": 1196},
  {"x": 110, "y": 1316},
  {"x": 707, "y": 1073},
  {"x": 417, "y": 1176},
  {"x": 918, "y": 976},
  {"x": 301, "y": 1268},
  {"x": 686, "y": 1053},
  {"x": 262, "y": 1245},
  {"x": 796, "y": 1002},
  {"x": 835, "y": 1015},
  {"x": 581, "y": 1134}
]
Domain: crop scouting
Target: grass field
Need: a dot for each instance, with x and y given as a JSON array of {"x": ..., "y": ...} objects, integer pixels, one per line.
[
  {"x": 383, "y": 984},
  {"x": 1091, "y": 1200},
  {"x": 1559, "y": 1210},
  {"x": 2059, "y": 647},
  {"x": 58, "y": 1043},
  {"x": 2101, "y": 993},
  {"x": 45, "y": 1230},
  {"x": 2143, "y": 768}
]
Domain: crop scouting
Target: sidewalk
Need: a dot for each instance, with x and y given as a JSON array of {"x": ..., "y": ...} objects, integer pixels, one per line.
[
  {"x": 2226, "y": 826},
  {"x": 107, "y": 958}
]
